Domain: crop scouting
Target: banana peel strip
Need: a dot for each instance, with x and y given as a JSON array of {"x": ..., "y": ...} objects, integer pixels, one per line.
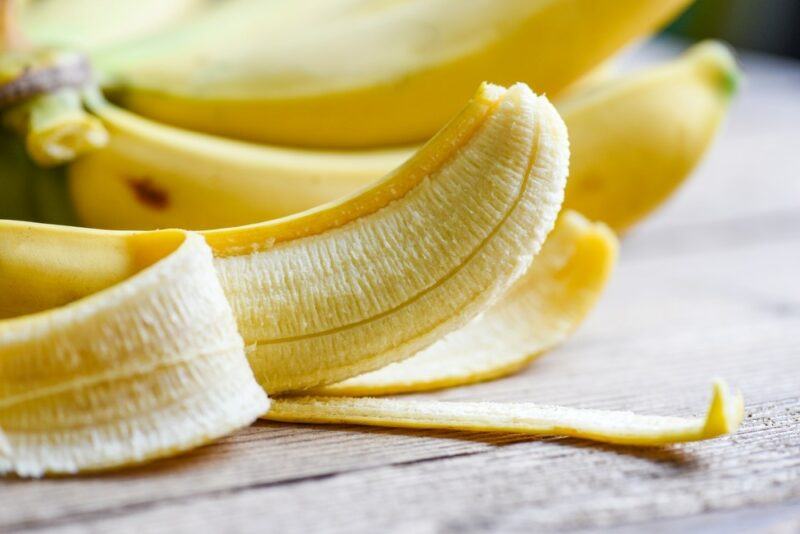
[
  {"x": 147, "y": 368},
  {"x": 538, "y": 312},
  {"x": 622, "y": 428}
]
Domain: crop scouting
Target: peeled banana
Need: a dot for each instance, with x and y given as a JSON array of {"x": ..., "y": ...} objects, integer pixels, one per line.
[
  {"x": 358, "y": 73},
  {"x": 539, "y": 311},
  {"x": 634, "y": 139},
  {"x": 351, "y": 286}
]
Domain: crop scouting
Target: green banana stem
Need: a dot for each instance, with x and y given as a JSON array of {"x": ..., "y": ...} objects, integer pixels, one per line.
[
  {"x": 56, "y": 127},
  {"x": 29, "y": 192}
]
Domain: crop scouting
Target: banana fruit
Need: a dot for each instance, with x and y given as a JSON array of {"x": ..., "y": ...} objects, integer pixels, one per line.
[
  {"x": 539, "y": 311},
  {"x": 634, "y": 139},
  {"x": 362, "y": 73}
]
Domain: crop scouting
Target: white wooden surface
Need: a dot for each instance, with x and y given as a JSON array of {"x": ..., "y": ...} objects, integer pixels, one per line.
[{"x": 710, "y": 286}]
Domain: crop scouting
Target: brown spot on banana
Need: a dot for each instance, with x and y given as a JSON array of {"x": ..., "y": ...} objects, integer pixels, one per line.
[{"x": 148, "y": 192}]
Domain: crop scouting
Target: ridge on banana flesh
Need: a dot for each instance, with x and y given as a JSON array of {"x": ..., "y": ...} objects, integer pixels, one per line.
[
  {"x": 363, "y": 73},
  {"x": 539, "y": 311},
  {"x": 95, "y": 24},
  {"x": 352, "y": 286},
  {"x": 147, "y": 367},
  {"x": 724, "y": 416},
  {"x": 634, "y": 139}
]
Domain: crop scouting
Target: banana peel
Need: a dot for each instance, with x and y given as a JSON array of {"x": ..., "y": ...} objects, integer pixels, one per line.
[
  {"x": 724, "y": 415},
  {"x": 147, "y": 367}
]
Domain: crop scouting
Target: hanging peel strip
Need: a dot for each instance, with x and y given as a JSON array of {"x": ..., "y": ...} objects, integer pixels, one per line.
[{"x": 125, "y": 337}]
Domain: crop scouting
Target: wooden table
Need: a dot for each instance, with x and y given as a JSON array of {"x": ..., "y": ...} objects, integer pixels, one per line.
[{"x": 709, "y": 286}]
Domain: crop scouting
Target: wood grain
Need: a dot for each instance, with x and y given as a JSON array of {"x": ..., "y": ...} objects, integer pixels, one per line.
[{"x": 710, "y": 286}]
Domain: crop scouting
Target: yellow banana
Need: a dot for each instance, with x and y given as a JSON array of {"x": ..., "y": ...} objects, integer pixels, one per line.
[
  {"x": 634, "y": 139},
  {"x": 539, "y": 311},
  {"x": 351, "y": 286},
  {"x": 359, "y": 73}
]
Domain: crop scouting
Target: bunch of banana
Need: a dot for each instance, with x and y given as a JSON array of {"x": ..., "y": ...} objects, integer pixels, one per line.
[
  {"x": 633, "y": 139},
  {"x": 461, "y": 264}
]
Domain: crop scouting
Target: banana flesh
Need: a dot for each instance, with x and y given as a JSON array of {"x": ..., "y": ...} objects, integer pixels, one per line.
[
  {"x": 538, "y": 312},
  {"x": 437, "y": 240},
  {"x": 145, "y": 368},
  {"x": 347, "y": 73},
  {"x": 622, "y": 166},
  {"x": 622, "y": 428}
]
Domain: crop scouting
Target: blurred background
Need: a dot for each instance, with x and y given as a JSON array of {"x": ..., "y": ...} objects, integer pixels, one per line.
[{"x": 765, "y": 25}]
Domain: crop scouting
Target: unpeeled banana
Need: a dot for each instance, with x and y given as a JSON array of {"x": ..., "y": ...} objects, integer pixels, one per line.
[
  {"x": 634, "y": 139},
  {"x": 358, "y": 73}
]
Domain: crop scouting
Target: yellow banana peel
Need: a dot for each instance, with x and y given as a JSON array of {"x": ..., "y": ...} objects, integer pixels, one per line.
[
  {"x": 150, "y": 366},
  {"x": 344, "y": 73},
  {"x": 724, "y": 415}
]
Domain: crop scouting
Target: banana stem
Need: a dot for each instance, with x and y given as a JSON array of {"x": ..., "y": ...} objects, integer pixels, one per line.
[{"x": 56, "y": 127}]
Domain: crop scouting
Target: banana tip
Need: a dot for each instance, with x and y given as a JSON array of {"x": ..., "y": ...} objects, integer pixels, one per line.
[{"x": 726, "y": 411}]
